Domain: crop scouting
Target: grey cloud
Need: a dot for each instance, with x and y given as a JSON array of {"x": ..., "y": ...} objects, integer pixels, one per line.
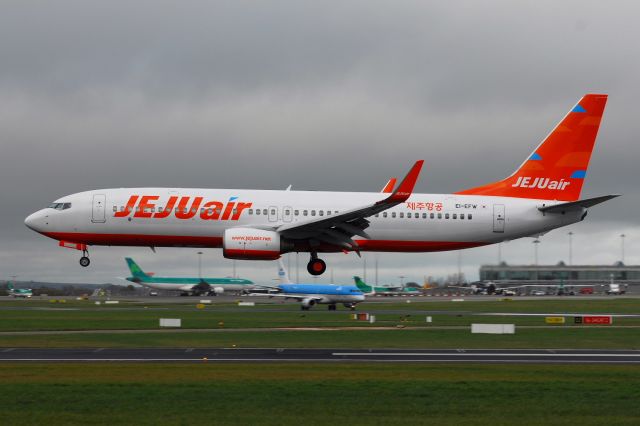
[{"x": 321, "y": 95}]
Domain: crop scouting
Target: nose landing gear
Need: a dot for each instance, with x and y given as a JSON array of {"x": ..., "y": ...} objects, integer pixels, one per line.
[
  {"x": 316, "y": 266},
  {"x": 84, "y": 260}
]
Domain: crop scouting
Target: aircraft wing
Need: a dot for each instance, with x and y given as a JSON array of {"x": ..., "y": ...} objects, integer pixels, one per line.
[
  {"x": 577, "y": 205},
  {"x": 339, "y": 229}
]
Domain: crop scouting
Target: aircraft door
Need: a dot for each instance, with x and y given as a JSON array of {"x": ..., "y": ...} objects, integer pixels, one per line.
[
  {"x": 273, "y": 214},
  {"x": 498, "y": 218},
  {"x": 287, "y": 214},
  {"x": 98, "y": 210}
]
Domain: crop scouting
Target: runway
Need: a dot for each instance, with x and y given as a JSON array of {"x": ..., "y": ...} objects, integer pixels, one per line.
[{"x": 200, "y": 355}]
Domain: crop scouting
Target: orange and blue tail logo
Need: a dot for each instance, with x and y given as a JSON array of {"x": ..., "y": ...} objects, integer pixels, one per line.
[{"x": 557, "y": 168}]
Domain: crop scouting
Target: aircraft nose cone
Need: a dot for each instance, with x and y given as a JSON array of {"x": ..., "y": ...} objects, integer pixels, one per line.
[{"x": 32, "y": 221}]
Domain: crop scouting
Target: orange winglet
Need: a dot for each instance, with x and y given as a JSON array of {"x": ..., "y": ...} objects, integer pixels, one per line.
[
  {"x": 388, "y": 188},
  {"x": 404, "y": 190}
]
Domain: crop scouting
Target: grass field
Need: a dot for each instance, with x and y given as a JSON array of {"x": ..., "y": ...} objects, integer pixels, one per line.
[
  {"x": 558, "y": 338},
  {"x": 449, "y": 329},
  {"x": 87, "y": 316},
  {"x": 353, "y": 394}
]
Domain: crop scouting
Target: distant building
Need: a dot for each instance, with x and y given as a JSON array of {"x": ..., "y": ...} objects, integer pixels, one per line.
[{"x": 586, "y": 274}]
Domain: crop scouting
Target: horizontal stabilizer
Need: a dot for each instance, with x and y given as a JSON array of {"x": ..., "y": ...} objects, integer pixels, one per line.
[{"x": 575, "y": 205}]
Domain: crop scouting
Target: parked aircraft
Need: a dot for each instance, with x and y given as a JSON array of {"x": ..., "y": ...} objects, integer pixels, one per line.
[
  {"x": 388, "y": 290},
  {"x": 19, "y": 292},
  {"x": 187, "y": 286},
  {"x": 311, "y": 294},
  {"x": 541, "y": 195}
]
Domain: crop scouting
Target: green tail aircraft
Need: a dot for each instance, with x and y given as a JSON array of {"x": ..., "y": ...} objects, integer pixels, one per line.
[
  {"x": 187, "y": 286},
  {"x": 384, "y": 290},
  {"x": 19, "y": 292}
]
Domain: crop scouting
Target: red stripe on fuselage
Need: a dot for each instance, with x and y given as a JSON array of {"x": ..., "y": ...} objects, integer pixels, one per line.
[{"x": 216, "y": 242}]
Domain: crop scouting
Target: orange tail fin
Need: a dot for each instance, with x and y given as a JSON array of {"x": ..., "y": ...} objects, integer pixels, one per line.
[{"x": 557, "y": 168}]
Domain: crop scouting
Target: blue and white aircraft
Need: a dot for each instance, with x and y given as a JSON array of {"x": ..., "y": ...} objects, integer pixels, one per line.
[{"x": 310, "y": 294}]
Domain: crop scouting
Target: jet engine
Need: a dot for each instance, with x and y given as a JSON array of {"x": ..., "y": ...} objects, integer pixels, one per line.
[
  {"x": 307, "y": 303},
  {"x": 251, "y": 244}
]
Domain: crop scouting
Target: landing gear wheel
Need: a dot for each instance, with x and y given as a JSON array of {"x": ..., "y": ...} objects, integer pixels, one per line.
[
  {"x": 84, "y": 261},
  {"x": 316, "y": 266},
  {"x": 332, "y": 307}
]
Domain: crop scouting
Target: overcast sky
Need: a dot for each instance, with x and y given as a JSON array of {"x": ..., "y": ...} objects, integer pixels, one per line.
[{"x": 321, "y": 95}]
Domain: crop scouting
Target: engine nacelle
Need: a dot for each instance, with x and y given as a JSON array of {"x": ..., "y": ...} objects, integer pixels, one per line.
[
  {"x": 307, "y": 303},
  {"x": 218, "y": 290},
  {"x": 251, "y": 244}
]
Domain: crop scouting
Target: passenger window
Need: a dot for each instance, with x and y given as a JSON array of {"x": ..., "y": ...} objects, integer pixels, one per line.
[
  {"x": 384, "y": 214},
  {"x": 296, "y": 212},
  {"x": 287, "y": 212},
  {"x": 235, "y": 211},
  {"x": 313, "y": 212},
  {"x": 115, "y": 208},
  {"x": 470, "y": 217},
  {"x": 160, "y": 209},
  {"x": 424, "y": 215},
  {"x": 250, "y": 211},
  {"x": 417, "y": 215},
  {"x": 439, "y": 215},
  {"x": 320, "y": 213},
  {"x": 305, "y": 212},
  {"x": 409, "y": 215},
  {"x": 328, "y": 212},
  {"x": 401, "y": 214},
  {"x": 377, "y": 215},
  {"x": 258, "y": 212},
  {"x": 446, "y": 215},
  {"x": 393, "y": 214},
  {"x": 455, "y": 216},
  {"x": 461, "y": 215},
  {"x": 431, "y": 216},
  {"x": 264, "y": 212}
]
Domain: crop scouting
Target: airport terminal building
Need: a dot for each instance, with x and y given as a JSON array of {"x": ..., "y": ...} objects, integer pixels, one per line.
[{"x": 579, "y": 274}]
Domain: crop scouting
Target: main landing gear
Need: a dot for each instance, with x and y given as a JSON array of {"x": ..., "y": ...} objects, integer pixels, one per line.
[
  {"x": 316, "y": 266},
  {"x": 84, "y": 260}
]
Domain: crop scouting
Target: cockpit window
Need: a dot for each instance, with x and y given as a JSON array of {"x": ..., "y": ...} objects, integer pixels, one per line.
[{"x": 60, "y": 206}]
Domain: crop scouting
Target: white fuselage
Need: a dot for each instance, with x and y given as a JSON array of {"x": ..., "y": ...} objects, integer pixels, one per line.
[{"x": 199, "y": 217}]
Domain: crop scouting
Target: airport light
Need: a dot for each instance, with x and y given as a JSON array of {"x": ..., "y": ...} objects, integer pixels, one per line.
[
  {"x": 200, "y": 265},
  {"x": 401, "y": 280},
  {"x": 622, "y": 237},
  {"x": 570, "y": 234},
  {"x": 536, "y": 242},
  {"x": 364, "y": 267},
  {"x": 535, "y": 251}
]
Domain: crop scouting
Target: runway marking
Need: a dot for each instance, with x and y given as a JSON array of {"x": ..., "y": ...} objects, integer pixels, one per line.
[
  {"x": 189, "y": 350},
  {"x": 9, "y": 350},
  {"x": 461, "y": 354},
  {"x": 98, "y": 350},
  {"x": 437, "y": 360}
]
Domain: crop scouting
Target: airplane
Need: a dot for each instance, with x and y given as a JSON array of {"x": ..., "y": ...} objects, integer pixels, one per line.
[
  {"x": 384, "y": 290},
  {"x": 311, "y": 294},
  {"x": 19, "y": 292},
  {"x": 187, "y": 286},
  {"x": 614, "y": 288},
  {"x": 541, "y": 195}
]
